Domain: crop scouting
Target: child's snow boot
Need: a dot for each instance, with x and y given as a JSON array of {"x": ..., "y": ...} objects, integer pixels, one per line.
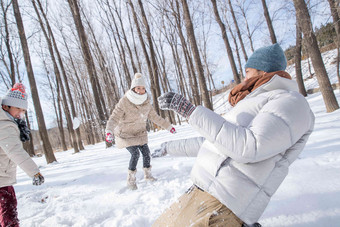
[
  {"x": 147, "y": 174},
  {"x": 131, "y": 180}
]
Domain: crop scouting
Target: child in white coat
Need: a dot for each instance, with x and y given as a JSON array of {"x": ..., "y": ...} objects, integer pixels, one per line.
[
  {"x": 127, "y": 126},
  {"x": 13, "y": 131}
]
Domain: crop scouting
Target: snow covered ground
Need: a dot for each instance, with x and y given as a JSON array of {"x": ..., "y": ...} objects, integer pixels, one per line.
[
  {"x": 88, "y": 188},
  {"x": 329, "y": 59}
]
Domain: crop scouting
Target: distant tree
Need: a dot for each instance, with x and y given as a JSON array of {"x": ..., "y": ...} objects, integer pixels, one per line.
[
  {"x": 155, "y": 70},
  {"x": 238, "y": 31},
  {"x": 226, "y": 43},
  {"x": 146, "y": 55},
  {"x": 243, "y": 7},
  {"x": 297, "y": 60},
  {"x": 334, "y": 6},
  {"x": 88, "y": 61},
  {"x": 326, "y": 34},
  {"x": 63, "y": 73},
  {"x": 307, "y": 29},
  {"x": 56, "y": 104},
  {"x": 240, "y": 74},
  {"x": 49, "y": 155},
  {"x": 199, "y": 67},
  {"x": 269, "y": 22},
  {"x": 110, "y": 85},
  {"x": 11, "y": 70},
  {"x": 290, "y": 52},
  {"x": 193, "y": 83},
  {"x": 48, "y": 36},
  {"x": 111, "y": 23}
]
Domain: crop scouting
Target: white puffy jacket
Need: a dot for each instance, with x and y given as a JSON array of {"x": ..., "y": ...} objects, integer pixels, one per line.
[{"x": 247, "y": 153}]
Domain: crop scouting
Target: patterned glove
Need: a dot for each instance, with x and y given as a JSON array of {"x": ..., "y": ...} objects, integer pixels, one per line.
[
  {"x": 160, "y": 151},
  {"x": 177, "y": 103},
  {"x": 38, "y": 179},
  {"x": 109, "y": 137},
  {"x": 24, "y": 130},
  {"x": 173, "y": 130}
]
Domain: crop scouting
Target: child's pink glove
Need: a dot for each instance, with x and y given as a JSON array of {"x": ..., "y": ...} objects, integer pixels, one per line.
[
  {"x": 109, "y": 137},
  {"x": 173, "y": 130}
]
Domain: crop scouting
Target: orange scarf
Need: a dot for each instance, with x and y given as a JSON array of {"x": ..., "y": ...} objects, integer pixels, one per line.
[{"x": 241, "y": 90}]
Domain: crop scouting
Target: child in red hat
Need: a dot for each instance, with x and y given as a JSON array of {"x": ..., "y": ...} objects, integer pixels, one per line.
[{"x": 13, "y": 131}]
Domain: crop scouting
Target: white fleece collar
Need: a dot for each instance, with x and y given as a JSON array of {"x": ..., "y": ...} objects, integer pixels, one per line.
[{"x": 136, "y": 98}]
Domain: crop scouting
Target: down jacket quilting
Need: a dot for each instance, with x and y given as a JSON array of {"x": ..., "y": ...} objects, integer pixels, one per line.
[
  {"x": 12, "y": 152},
  {"x": 246, "y": 154}
]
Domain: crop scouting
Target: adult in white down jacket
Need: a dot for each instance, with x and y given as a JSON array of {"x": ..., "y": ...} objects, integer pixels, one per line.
[{"x": 245, "y": 155}]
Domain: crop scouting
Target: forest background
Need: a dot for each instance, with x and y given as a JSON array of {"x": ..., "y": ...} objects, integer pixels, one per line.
[{"x": 77, "y": 58}]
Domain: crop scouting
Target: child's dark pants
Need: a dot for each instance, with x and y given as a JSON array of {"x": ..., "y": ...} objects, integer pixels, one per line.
[
  {"x": 134, "y": 150},
  {"x": 8, "y": 207}
]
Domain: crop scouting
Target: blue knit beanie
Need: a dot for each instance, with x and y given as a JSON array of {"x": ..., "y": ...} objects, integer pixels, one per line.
[{"x": 268, "y": 59}]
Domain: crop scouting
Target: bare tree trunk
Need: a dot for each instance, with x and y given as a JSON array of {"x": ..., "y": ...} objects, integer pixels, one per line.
[
  {"x": 56, "y": 104},
  {"x": 240, "y": 74},
  {"x": 61, "y": 64},
  {"x": 117, "y": 38},
  {"x": 7, "y": 42},
  {"x": 88, "y": 59},
  {"x": 269, "y": 22},
  {"x": 198, "y": 63},
  {"x": 125, "y": 38},
  {"x": 334, "y": 6},
  {"x": 133, "y": 39},
  {"x": 187, "y": 56},
  {"x": 111, "y": 91},
  {"x": 57, "y": 74},
  {"x": 61, "y": 121},
  {"x": 226, "y": 42},
  {"x": 28, "y": 145},
  {"x": 164, "y": 79},
  {"x": 153, "y": 89},
  {"x": 49, "y": 155},
  {"x": 155, "y": 71},
  {"x": 178, "y": 64},
  {"x": 89, "y": 129},
  {"x": 321, "y": 74},
  {"x": 87, "y": 115},
  {"x": 297, "y": 59},
  {"x": 113, "y": 79},
  {"x": 238, "y": 32},
  {"x": 249, "y": 33}
]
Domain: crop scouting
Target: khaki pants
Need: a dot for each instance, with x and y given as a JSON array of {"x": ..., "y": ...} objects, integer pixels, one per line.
[{"x": 197, "y": 208}]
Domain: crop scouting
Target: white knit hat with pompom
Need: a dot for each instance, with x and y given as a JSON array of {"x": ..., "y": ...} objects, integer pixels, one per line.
[{"x": 138, "y": 80}]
